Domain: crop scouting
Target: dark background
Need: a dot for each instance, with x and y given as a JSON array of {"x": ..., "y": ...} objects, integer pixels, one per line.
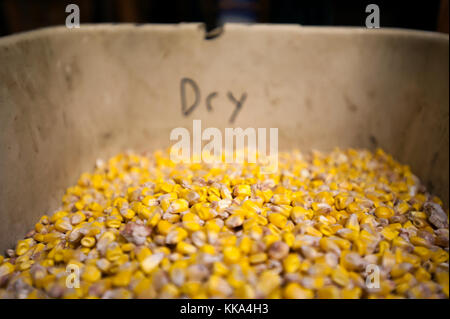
[{"x": 23, "y": 15}]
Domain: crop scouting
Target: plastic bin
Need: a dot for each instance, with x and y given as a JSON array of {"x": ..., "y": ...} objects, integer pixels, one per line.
[{"x": 70, "y": 96}]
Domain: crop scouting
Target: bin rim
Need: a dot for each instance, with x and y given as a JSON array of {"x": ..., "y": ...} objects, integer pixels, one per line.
[{"x": 199, "y": 27}]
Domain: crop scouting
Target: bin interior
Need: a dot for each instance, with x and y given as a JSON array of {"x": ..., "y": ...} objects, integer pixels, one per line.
[{"x": 70, "y": 96}]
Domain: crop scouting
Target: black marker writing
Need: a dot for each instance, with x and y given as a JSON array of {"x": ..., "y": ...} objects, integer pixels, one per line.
[
  {"x": 184, "y": 81},
  {"x": 238, "y": 104},
  {"x": 188, "y": 108},
  {"x": 208, "y": 100}
]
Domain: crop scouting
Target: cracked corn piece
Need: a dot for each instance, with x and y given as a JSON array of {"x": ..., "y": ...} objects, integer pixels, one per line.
[{"x": 141, "y": 226}]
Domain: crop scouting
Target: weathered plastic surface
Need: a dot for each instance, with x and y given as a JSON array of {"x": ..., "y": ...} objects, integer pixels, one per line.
[{"x": 68, "y": 97}]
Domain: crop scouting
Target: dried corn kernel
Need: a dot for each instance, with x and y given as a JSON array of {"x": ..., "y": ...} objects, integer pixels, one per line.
[
  {"x": 143, "y": 226},
  {"x": 384, "y": 212}
]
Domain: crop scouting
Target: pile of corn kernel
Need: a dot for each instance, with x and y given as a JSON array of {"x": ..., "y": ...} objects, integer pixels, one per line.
[{"x": 141, "y": 226}]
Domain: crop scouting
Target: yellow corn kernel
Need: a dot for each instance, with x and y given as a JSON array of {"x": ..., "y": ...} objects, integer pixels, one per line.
[
  {"x": 144, "y": 286},
  {"x": 249, "y": 223},
  {"x": 149, "y": 200},
  {"x": 278, "y": 220},
  {"x": 245, "y": 244},
  {"x": 274, "y": 230},
  {"x": 88, "y": 241},
  {"x": 389, "y": 233},
  {"x": 418, "y": 215},
  {"x": 384, "y": 212},
  {"x": 203, "y": 211},
  {"x": 128, "y": 247},
  {"x": 124, "y": 258},
  {"x": 39, "y": 227},
  {"x": 422, "y": 275},
  {"x": 22, "y": 247},
  {"x": 281, "y": 199},
  {"x": 351, "y": 293},
  {"x": 63, "y": 225},
  {"x": 220, "y": 269},
  {"x": 179, "y": 205},
  {"x": 191, "y": 289},
  {"x": 91, "y": 274},
  {"x": 128, "y": 213},
  {"x": 258, "y": 258},
  {"x": 245, "y": 291},
  {"x": 113, "y": 222},
  {"x": 24, "y": 265},
  {"x": 402, "y": 208},
  {"x": 439, "y": 256},
  {"x": 217, "y": 286},
  {"x": 143, "y": 253},
  {"x": 211, "y": 225},
  {"x": 48, "y": 263},
  {"x": 291, "y": 263},
  {"x": 268, "y": 282},
  {"x": 412, "y": 259},
  {"x": 95, "y": 207},
  {"x": 418, "y": 241},
  {"x": 122, "y": 278},
  {"x": 266, "y": 195},
  {"x": 325, "y": 197},
  {"x": 169, "y": 291},
  {"x": 149, "y": 263},
  {"x": 295, "y": 291},
  {"x": 256, "y": 232},
  {"x": 165, "y": 187},
  {"x": 176, "y": 235},
  {"x": 192, "y": 226},
  {"x": 352, "y": 223},
  {"x": 328, "y": 292},
  {"x": 288, "y": 238},
  {"x": 234, "y": 220},
  {"x": 231, "y": 254},
  {"x": 58, "y": 215},
  {"x": 252, "y": 205},
  {"x": 341, "y": 201},
  {"x": 113, "y": 253},
  {"x": 354, "y": 208},
  {"x": 228, "y": 240},
  {"x": 443, "y": 279},
  {"x": 270, "y": 239},
  {"x": 155, "y": 216},
  {"x": 164, "y": 227},
  {"x": 78, "y": 218},
  {"x": 137, "y": 207},
  {"x": 326, "y": 230},
  {"x": 120, "y": 202},
  {"x": 313, "y": 232},
  {"x": 340, "y": 276},
  {"x": 343, "y": 244},
  {"x": 242, "y": 190},
  {"x": 208, "y": 249},
  {"x": 185, "y": 248},
  {"x": 164, "y": 204},
  {"x": 422, "y": 252},
  {"x": 261, "y": 220},
  {"x": 328, "y": 244}
]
